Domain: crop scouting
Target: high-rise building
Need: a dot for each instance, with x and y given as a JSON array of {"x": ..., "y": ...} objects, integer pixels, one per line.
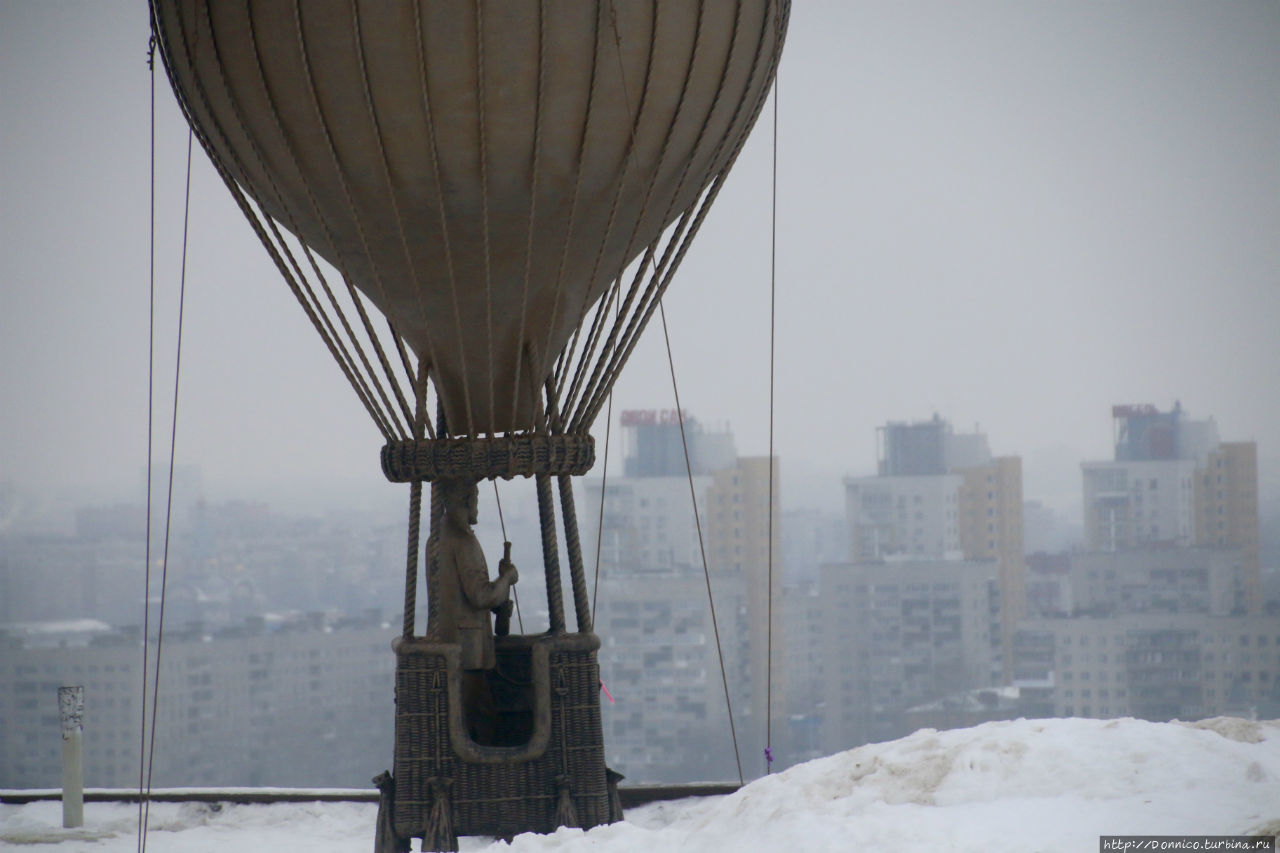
[
  {"x": 1153, "y": 665},
  {"x": 1172, "y": 483},
  {"x": 941, "y": 495},
  {"x": 651, "y": 567},
  {"x": 282, "y": 702},
  {"x": 897, "y": 634},
  {"x": 1153, "y": 580}
]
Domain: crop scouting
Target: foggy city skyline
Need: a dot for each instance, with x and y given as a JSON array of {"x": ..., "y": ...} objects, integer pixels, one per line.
[
  {"x": 1012, "y": 216},
  {"x": 1007, "y": 217}
]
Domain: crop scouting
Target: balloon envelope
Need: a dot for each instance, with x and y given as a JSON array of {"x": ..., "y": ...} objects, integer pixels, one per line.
[{"x": 480, "y": 171}]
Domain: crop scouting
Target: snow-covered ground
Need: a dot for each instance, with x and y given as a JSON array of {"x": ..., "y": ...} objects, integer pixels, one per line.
[{"x": 1025, "y": 785}]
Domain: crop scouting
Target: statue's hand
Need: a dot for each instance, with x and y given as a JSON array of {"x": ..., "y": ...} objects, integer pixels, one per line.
[{"x": 507, "y": 569}]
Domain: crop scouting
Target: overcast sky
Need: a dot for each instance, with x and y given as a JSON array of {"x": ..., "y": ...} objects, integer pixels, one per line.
[{"x": 1010, "y": 213}]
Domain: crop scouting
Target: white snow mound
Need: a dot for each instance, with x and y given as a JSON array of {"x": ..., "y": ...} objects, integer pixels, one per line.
[{"x": 1024, "y": 785}]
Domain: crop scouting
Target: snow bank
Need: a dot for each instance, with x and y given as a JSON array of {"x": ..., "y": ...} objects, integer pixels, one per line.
[{"x": 1044, "y": 785}]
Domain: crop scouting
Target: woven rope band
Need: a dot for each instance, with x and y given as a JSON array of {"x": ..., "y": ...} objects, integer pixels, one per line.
[{"x": 488, "y": 458}]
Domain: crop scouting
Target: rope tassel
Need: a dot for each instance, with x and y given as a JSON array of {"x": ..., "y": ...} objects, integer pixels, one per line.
[
  {"x": 566, "y": 814},
  {"x": 440, "y": 836},
  {"x": 612, "y": 778}
]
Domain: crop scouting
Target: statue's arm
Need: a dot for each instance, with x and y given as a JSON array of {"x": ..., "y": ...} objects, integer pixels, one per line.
[{"x": 482, "y": 593}]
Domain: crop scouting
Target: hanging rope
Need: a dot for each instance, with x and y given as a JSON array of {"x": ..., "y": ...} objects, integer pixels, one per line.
[
  {"x": 773, "y": 302},
  {"x": 151, "y": 359},
  {"x": 515, "y": 593},
  {"x": 604, "y": 481},
  {"x": 715, "y": 627},
  {"x": 145, "y": 796}
]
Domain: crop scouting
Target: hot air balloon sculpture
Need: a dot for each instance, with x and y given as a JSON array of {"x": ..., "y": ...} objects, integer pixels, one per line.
[{"x": 511, "y": 186}]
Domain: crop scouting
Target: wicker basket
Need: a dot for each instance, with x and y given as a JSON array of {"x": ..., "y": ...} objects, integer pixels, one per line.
[{"x": 552, "y": 773}]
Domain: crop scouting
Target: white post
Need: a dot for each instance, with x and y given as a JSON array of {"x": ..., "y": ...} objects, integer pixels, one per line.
[{"x": 71, "y": 707}]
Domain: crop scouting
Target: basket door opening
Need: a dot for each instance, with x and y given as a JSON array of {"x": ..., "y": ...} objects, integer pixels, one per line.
[{"x": 509, "y": 720}]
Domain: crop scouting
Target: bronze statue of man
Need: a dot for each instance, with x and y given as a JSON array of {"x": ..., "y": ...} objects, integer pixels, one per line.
[{"x": 468, "y": 598}]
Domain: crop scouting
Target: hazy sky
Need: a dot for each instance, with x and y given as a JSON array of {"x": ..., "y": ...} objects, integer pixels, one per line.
[{"x": 1014, "y": 214}]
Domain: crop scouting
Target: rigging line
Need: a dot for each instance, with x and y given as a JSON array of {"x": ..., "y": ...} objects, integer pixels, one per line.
[
  {"x": 606, "y": 360},
  {"x": 629, "y": 160},
  {"x": 515, "y": 594},
  {"x": 391, "y": 191},
  {"x": 188, "y": 110},
  {"x": 659, "y": 278},
  {"x": 168, "y": 510},
  {"x": 773, "y": 302},
  {"x": 433, "y": 149},
  {"x": 604, "y": 480},
  {"x": 610, "y": 346},
  {"x": 484, "y": 200},
  {"x": 338, "y": 348},
  {"x": 715, "y": 628},
  {"x": 151, "y": 357},
  {"x": 324, "y": 122},
  {"x": 577, "y": 182},
  {"x": 590, "y": 405},
  {"x": 304, "y": 292},
  {"x": 533, "y": 206}
]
